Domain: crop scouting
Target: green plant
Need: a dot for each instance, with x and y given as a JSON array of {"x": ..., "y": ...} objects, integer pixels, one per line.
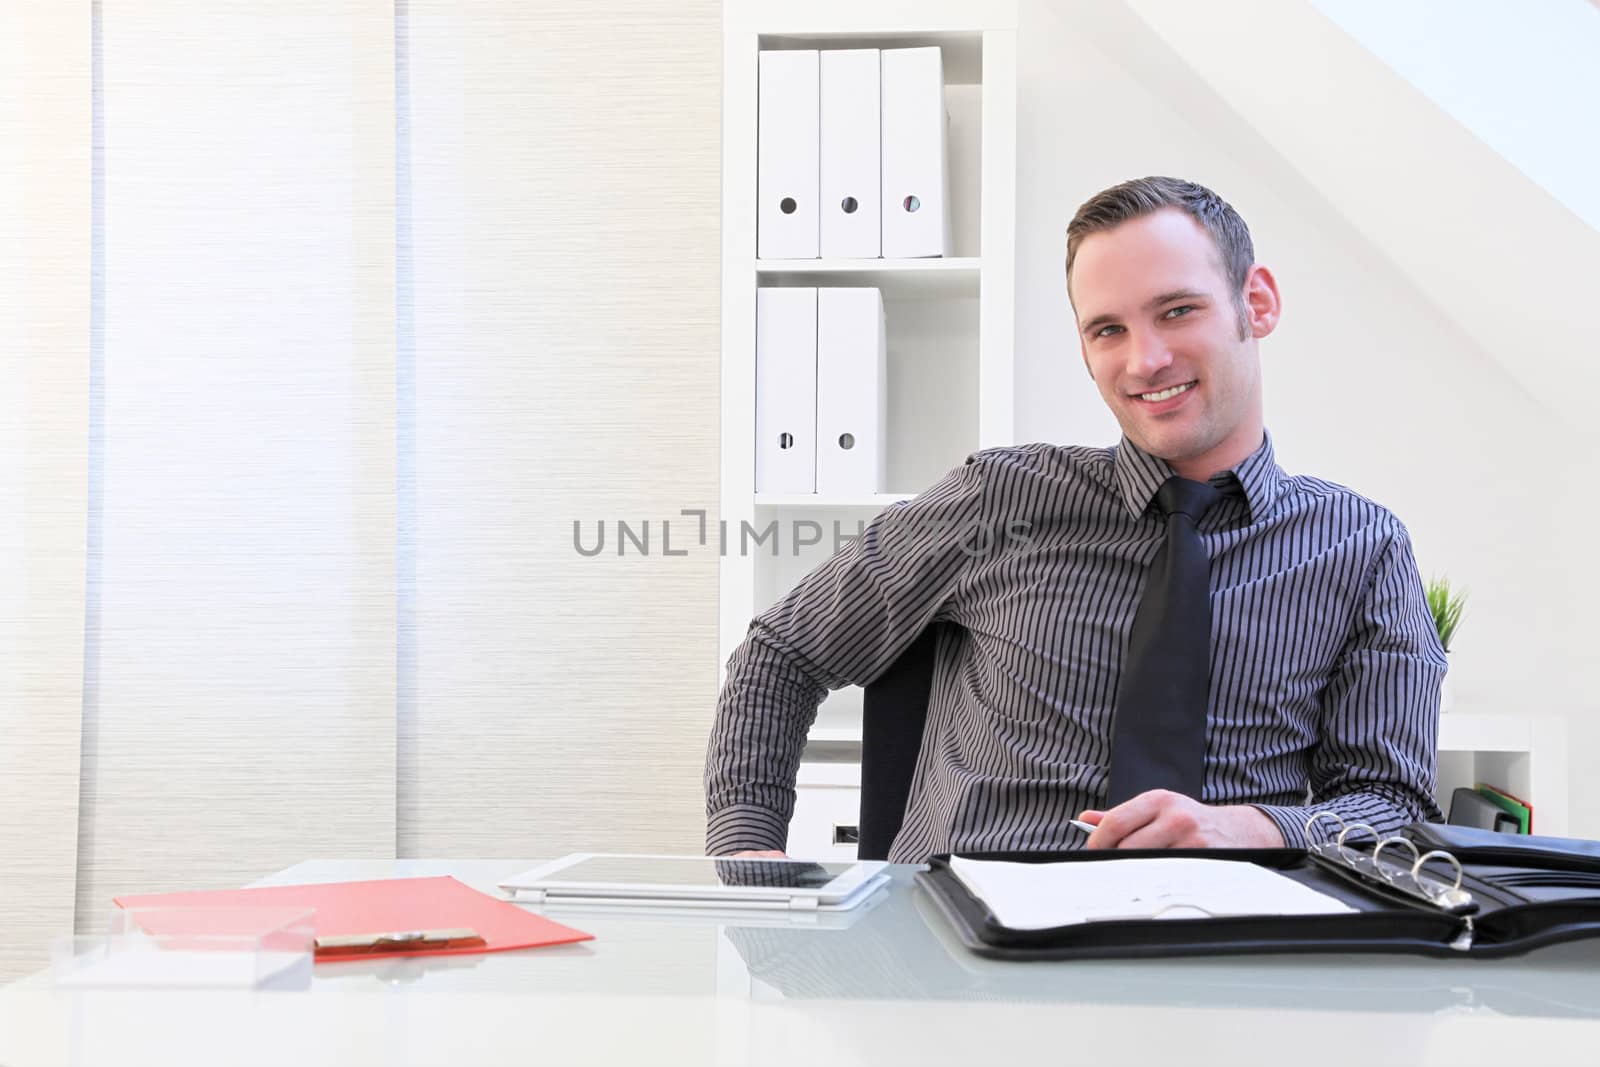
[{"x": 1447, "y": 606}]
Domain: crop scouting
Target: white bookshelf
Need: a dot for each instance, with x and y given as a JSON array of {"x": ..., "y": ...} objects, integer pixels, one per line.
[
  {"x": 1525, "y": 755},
  {"x": 903, "y": 279},
  {"x": 802, "y": 501},
  {"x": 950, "y": 321}
]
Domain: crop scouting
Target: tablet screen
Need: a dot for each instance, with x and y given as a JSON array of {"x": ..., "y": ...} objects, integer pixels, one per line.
[{"x": 697, "y": 871}]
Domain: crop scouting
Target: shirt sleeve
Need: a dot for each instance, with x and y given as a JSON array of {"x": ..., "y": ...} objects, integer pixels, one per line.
[
  {"x": 1377, "y": 761},
  {"x": 844, "y": 624}
]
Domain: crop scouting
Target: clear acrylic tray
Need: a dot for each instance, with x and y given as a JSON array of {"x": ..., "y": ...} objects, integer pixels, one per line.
[{"x": 191, "y": 948}]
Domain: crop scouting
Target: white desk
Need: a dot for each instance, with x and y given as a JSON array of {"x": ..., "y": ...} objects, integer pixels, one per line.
[{"x": 890, "y": 988}]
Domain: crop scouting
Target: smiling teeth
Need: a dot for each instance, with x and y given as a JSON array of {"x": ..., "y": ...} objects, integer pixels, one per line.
[{"x": 1167, "y": 394}]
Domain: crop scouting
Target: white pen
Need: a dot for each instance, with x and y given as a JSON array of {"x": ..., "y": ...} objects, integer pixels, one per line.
[{"x": 1086, "y": 827}]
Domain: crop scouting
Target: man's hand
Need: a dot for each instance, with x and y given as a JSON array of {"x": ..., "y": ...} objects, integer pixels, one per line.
[
  {"x": 1164, "y": 819},
  {"x": 757, "y": 854}
]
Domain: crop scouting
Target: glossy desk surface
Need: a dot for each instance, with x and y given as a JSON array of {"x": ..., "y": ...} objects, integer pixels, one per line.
[{"x": 887, "y": 984}]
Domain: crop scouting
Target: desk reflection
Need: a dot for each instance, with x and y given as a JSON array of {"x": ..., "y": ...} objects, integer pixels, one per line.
[{"x": 904, "y": 950}]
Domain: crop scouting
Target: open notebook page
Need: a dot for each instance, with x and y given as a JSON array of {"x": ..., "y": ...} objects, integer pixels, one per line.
[{"x": 1036, "y": 896}]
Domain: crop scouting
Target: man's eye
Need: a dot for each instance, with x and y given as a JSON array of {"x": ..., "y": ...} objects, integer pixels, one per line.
[
  {"x": 1179, "y": 311},
  {"x": 1107, "y": 331}
]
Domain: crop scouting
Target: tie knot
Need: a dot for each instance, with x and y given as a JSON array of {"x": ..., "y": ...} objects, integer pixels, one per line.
[{"x": 1182, "y": 496}]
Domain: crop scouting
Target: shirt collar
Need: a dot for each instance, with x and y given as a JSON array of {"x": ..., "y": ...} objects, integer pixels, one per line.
[{"x": 1139, "y": 475}]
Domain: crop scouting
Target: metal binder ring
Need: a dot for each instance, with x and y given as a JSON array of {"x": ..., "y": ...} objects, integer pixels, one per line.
[
  {"x": 1335, "y": 816},
  {"x": 1346, "y": 832},
  {"x": 1416, "y": 868},
  {"x": 1384, "y": 872}
]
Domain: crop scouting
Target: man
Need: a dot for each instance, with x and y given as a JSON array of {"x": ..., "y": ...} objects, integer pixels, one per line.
[{"x": 1170, "y": 639}]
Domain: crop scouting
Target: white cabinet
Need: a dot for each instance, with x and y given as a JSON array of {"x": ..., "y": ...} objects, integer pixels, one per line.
[{"x": 826, "y": 811}]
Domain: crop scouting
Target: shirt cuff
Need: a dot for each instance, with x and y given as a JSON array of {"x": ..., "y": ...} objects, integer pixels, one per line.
[
  {"x": 1291, "y": 821},
  {"x": 745, "y": 826}
]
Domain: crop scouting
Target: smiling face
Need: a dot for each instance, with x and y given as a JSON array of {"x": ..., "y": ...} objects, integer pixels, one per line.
[{"x": 1160, "y": 330}]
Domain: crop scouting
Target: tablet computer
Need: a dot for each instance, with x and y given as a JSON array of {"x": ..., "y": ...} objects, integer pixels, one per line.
[{"x": 718, "y": 881}]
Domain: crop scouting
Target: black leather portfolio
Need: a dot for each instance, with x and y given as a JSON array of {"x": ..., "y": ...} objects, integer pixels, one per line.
[{"x": 1431, "y": 889}]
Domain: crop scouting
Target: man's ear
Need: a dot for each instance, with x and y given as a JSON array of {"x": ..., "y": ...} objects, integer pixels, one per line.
[{"x": 1261, "y": 301}]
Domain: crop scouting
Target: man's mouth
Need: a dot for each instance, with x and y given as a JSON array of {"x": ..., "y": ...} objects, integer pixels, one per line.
[{"x": 1167, "y": 394}]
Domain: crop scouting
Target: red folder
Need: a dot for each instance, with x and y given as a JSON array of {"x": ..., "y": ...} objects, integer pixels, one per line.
[{"x": 346, "y": 908}]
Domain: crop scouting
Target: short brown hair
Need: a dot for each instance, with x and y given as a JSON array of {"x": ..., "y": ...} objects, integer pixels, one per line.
[{"x": 1145, "y": 196}]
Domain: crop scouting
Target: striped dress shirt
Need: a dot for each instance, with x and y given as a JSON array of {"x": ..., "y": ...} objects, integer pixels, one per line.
[{"x": 1325, "y": 663}]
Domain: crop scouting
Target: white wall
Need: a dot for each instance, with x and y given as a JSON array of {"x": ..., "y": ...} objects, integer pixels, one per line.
[
  {"x": 1368, "y": 382},
  {"x": 44, "y": 385},
  {"x": 238, "y": 710},
  {"x": 565, "y": 210},
  {"x": 1512, "y": 73},
  {"x": 295, "y": 554}
]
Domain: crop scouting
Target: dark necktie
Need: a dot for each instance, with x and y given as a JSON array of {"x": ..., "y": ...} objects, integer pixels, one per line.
[{"x": 1158, "y": 736}]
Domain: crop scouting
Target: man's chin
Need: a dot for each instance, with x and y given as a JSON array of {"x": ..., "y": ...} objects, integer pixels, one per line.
[{"x": 1169, "y": 447}]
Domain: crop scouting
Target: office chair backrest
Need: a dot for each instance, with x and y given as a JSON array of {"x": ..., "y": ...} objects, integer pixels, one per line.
[{"x": 894, "y": 713}]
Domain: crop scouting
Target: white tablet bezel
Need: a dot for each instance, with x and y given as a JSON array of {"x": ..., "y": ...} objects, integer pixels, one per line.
[{"x": 843, "y": 891}]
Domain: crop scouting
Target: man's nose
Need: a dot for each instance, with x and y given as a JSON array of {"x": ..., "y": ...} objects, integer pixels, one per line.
[{"x": 1148, "y": 355}]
